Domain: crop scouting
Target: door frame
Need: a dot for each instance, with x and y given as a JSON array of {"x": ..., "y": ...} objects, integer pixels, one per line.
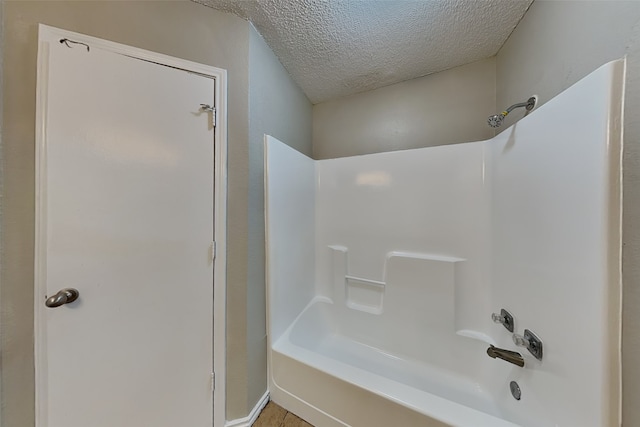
[{"x": 48, "y": 35}]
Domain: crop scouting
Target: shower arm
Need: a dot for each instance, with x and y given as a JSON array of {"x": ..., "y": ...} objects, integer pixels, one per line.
[
  {"x": 496, "y": 120},
  {"x": 529, "y": 104}
]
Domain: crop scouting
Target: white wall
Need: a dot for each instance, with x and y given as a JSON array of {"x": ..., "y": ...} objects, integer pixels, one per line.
[
  {"x": 431, "y": 202},
  {"x": 442, "y": 108},
  {"x": 556, "y": 245},
  {"x": 277, "y": 107},
  {"x": 556, "y": 44},
  {"x": 291, "y": 222}
]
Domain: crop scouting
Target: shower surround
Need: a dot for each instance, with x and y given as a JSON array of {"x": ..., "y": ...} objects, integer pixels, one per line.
[{"x": 384, "y": 270}]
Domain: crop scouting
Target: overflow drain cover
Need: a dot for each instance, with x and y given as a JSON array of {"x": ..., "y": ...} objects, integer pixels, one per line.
[{"x": 515, "y": 390}]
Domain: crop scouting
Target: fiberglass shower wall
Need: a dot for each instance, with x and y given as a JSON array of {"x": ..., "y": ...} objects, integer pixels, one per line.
[{"x": 427, "y": 210}]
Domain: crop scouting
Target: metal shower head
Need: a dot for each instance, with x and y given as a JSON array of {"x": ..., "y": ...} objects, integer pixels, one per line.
[{"x": 496, "y": 120}]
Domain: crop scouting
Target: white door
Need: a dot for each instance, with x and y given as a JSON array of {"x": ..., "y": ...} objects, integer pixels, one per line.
[{"x": 126, "y": 214}]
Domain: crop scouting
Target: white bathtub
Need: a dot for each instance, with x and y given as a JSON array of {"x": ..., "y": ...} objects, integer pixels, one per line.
[
  {"x": 383, "y": 271},
  {"x": 325, "y": 356}
]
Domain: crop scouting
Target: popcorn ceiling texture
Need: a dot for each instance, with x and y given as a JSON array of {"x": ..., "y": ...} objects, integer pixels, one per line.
[{"x": 341, "y": 47}]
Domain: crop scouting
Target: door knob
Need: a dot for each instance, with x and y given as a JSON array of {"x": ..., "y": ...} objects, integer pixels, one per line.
[{"x": 65, "y": 296}]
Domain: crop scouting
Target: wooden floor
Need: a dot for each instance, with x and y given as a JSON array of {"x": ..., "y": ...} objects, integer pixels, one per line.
[{"x": 275, "y": 416}]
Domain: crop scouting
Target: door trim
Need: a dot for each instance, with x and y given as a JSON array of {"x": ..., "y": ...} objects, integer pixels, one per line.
[{"x": 48, "y": 35}]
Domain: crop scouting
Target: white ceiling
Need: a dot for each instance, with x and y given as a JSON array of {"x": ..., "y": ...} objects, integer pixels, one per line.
[{"x": 334, "y": 48}]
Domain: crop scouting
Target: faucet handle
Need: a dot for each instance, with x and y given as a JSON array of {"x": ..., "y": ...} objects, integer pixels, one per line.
[
  {"x": 505, "y": 318},
  {"x": 497, "y": 318},
  {"x": 520, "y": 340},
  {"x": 530, "y": 341}
]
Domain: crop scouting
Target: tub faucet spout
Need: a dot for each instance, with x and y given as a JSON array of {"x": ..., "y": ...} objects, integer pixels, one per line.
[{"x": 508, "y": 355}]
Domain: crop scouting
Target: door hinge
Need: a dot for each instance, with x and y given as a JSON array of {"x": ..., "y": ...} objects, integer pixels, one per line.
[
  {"x": 212, "y": 250},
  {"x": 213, "y": 111},
  {"x": 213, "y": 381}
]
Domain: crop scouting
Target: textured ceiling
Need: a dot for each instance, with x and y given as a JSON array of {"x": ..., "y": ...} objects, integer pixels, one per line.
[{"x": 334, "y": 48}]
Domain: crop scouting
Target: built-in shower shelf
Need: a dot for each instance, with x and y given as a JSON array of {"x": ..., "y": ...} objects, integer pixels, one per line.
[
  {"x": 423, "y": 273},
  {"x": 364, "y": 294}
]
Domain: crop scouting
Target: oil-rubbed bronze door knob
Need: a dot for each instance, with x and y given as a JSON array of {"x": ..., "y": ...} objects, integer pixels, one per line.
[{"x": 65, "y": 296}]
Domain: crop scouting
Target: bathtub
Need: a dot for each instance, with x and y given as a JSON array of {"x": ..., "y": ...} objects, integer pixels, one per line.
[
  {"x": 369, "y": 374},
  {"x": 383, "y": 272}
]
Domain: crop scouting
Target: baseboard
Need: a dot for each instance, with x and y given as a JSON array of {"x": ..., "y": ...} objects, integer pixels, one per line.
[{"x": 253, "y": 415}]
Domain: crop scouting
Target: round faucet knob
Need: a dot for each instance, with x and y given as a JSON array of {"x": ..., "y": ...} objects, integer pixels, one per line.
[
  {"x": 497, "y": 318},
  {"x": 504, "y": 318},
  {"x": 521, "y": 341}
]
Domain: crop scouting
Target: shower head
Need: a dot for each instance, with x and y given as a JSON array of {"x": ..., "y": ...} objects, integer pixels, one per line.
[{"x": 497, "y": 119}]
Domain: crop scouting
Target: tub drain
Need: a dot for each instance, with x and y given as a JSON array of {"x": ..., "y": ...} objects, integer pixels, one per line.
[{"x": 515, "y": 390}]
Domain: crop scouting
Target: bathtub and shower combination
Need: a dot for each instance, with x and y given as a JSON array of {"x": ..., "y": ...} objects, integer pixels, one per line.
[{"x": 468, "y": 285}]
